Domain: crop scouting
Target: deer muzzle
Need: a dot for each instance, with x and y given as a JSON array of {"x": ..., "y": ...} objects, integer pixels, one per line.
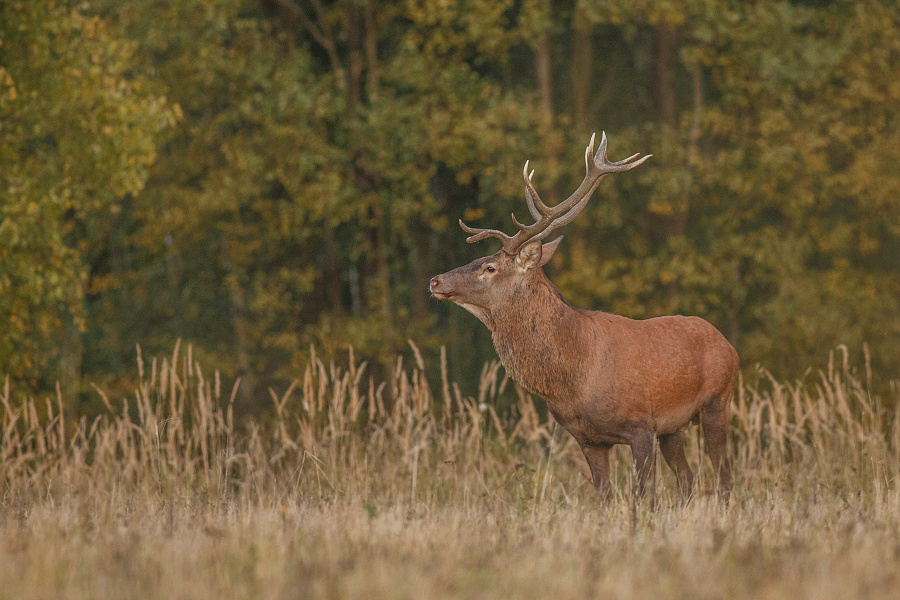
[{"x": 439, "y": 289}]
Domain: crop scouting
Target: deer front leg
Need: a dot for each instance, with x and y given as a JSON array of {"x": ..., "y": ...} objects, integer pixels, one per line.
[{"x": 598, "y": 460}]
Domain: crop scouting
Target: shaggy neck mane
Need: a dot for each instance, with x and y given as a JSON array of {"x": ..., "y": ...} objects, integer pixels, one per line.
[{"x": 536, "y": 334}]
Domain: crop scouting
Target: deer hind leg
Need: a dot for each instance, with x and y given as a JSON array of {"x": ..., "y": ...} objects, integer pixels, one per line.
[
  {"x": 672, "y": 448},
  {"x": 642, "y": 446},
  {"x": 598, "y": 460},
  {"x": 714, "y": 417}
]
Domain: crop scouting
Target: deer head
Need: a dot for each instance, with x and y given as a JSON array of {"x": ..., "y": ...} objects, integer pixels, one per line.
[{"x": 499, "y": 280}]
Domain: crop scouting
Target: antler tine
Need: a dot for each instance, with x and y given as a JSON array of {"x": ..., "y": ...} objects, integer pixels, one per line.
[
  {"x": 517, "y": 224},
  {"x": 622, "y": 165},
  {"x": 589, "y": 151},
  {"x": 482, "y": 234},
  {"x": 535, "y": 206},
  {"x": 602, "y": 163},
  {"x": 625, "y": 160}
]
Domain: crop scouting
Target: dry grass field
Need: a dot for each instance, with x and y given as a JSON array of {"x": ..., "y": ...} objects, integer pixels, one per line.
[{"x": 408, "y": 489}]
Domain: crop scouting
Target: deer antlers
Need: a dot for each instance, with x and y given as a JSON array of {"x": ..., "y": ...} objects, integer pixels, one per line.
[{"x": 549, "y": 218}]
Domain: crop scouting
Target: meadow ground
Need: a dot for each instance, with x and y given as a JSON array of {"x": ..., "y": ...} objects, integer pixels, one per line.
[{"x": 409, "y": 489}]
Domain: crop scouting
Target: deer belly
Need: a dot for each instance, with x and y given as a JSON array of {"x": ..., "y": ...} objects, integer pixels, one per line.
[
  {"x": 674, "y": 417},
  {"x": 592, "y": 425}
]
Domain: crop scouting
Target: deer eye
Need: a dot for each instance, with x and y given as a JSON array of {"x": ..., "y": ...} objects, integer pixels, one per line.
[{"x": 491, "y": 269}]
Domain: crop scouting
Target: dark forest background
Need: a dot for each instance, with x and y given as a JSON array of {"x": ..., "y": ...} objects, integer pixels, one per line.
[{"x": 258, "y": 176}]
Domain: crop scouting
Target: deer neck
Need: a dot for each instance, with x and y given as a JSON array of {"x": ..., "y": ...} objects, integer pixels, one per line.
[{"x": 537, "y": 337}]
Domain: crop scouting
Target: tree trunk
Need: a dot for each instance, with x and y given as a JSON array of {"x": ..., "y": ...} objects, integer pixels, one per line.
[
  {"x": 422, "y": 274},
  {"x": 581, "y": 74},
  {"x": 663, "y": 85},
  {"x": 680, "y": 217},
  {"x": 544, "y": 68},
  {"x": 385, "y": 282},
  {"x": 734, "y": 324},
  {"x": 71, "y": 359},
  {"x": 356, "y": 299},
  {"x": 382, "y": 284},
  {"x": 355, "y": 57},
  {"x": 239, "y": 323},
  {"x": 364, "y": 42},
  {"x": 332, "y": 270},
  {"x": 371, "y": 44},
  {"x": 241, "y": 337},
  {"x": 665, "y": 46}
]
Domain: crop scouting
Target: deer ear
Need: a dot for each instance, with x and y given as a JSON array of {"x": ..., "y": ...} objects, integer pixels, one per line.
[
  {"x": 529, "y": 255},
  {"x": 548, "y": 249}
]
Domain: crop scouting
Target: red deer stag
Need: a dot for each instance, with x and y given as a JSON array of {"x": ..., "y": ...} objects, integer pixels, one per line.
[{"x": 607, "y": 379}]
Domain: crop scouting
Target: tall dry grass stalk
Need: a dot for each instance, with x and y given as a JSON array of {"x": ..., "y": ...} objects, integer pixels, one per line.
[{"x": 409, "y": 488}]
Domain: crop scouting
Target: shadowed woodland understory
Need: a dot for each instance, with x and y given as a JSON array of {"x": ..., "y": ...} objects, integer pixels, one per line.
[{"x": 256, "y": 176}]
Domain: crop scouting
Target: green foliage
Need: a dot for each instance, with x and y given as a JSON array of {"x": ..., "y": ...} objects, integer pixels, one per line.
[
  {"x": 257, "y": 176},
  {"x": 76, "y": 138}
]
